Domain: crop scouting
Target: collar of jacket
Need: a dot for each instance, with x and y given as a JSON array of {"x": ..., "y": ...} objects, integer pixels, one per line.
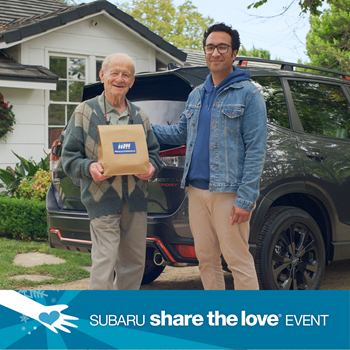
[
  {"x": 201, "y": 89},
  {"x": 238, "y": 85}
]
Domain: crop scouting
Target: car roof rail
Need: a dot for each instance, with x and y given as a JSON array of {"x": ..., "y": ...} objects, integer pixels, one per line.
[{"x": 287, "y": 65}]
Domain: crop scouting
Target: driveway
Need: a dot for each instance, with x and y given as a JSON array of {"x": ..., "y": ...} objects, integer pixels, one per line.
[{"x": 337, "y": 277}]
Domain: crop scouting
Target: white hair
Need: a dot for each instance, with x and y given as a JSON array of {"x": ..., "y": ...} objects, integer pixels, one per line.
[{"x": 122, "y": 56}]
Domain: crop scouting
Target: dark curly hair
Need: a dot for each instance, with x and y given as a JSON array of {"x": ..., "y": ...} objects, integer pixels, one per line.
[{"x": 222, "y": 27}]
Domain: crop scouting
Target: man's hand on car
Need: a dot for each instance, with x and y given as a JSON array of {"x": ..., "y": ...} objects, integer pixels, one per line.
[
  {"x": 149, "y": 175},
  {"x": 239, "y": 215},
  {"x": 96, "y": 171}
]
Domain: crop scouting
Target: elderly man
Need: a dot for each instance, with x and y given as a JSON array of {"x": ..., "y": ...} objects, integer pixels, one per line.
[
  {"x": 117, "y": 205},
  {"x": 224, "y": 127}
]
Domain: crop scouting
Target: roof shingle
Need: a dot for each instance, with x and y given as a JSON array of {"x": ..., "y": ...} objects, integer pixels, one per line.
[
  {"x": 11, "y": 70},
  {"x": 12, "y": 10},
  {"x": 23, "y": 18}
]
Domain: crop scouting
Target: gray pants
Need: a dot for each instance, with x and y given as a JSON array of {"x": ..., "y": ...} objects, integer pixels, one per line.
[{"x": 118, "y": 244}]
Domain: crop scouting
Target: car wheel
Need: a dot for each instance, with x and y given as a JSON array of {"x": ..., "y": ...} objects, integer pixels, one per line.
[
  {"x": 152, "y": 271},
  {"x": 290, "y": 251}
]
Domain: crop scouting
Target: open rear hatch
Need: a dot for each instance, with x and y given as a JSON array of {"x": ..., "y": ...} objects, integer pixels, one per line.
[{"x": 163, "y": 97}]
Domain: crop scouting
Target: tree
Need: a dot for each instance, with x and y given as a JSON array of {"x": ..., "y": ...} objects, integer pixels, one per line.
[
  {"x": 305, "y": 5},
  {"x": 328, "y": 41},
  {"x": 182, "y": 26},
  {"x": 254, "y": 52}
]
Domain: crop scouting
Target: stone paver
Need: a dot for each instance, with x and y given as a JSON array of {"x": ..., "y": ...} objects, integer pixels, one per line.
[
  {"x": 35, "y": 278},
  {"x": 34, "y": 259},
  {"x": 76, "y": 285}
]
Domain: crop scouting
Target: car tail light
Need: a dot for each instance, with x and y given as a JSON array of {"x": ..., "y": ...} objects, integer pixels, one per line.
[
  {"x": 345, "y": 77},
  {"x": 173, "y": 152},
  {"x": 55, "y": 156},
  {"x": 173, "y": 156},
  {"x": 55, "y": 151},
  {"x": 187, "y": 251}
]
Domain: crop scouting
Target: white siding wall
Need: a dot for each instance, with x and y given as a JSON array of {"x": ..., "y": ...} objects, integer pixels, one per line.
[
  {"x": 84, "y": 39},
  {"x": 29, "y": 138}
]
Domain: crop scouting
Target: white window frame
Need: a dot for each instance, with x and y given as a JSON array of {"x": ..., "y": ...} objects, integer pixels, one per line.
[{"x": 88, "y": 64}]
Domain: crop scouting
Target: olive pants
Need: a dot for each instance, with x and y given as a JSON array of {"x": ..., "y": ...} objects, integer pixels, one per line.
[
  {"x": 118, "y": 245},
  {"x": 213, "y": 234}
]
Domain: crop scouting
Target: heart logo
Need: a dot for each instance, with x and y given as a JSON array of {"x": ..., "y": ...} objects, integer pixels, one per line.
[{"x": 49, "y": 318}]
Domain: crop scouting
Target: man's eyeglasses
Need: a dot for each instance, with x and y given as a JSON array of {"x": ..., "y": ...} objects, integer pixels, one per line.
[{"x": 222, "y": 48}]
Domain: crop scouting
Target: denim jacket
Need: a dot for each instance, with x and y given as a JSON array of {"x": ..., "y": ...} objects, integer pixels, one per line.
[{"x": 237, "y": 139}]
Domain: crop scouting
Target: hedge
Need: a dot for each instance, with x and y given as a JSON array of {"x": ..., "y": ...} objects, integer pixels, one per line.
[{"x": 23, "y": 218}]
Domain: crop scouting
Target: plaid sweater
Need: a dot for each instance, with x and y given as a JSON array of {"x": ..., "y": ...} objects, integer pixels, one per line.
[{"x": 80, "y": 149}]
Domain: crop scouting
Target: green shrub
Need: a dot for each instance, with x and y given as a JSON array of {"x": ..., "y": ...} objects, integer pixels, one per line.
[
  {"x": 26, "y": 169},
  {"x": 35, "y": 188},
  {"x": 23, "y": 218}
]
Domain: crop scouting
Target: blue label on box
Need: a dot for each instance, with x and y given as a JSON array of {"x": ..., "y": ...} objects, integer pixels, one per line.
[{"x": 124, "y": 147}]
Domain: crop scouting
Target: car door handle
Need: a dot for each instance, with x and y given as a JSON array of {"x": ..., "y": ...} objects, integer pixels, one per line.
[{"x": 316, "y": 153}]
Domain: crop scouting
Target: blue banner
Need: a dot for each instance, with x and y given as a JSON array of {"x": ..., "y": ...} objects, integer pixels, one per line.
[{"x": 174, "y": 320}]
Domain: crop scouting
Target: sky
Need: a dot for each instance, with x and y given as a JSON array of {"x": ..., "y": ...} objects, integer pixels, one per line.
[{"x": 284, "y": 36}]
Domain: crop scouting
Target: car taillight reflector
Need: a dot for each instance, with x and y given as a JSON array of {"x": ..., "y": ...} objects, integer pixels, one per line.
[
  {"x": 187, "y": 251},
  {"x": 174, "y": 152},
  {"x": 345, "y": 77},
  {"x": 69, "y": 239},
  {"x": 57, "y": 232},
  {"x": 162, "y": 246}
]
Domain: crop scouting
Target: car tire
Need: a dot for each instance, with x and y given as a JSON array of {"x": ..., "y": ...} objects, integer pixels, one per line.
[
  {"x": 290, "y": 251},
  {"x": 152, "y": 272}
]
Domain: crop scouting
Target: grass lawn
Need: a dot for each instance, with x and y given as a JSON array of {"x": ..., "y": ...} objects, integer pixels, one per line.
[{"x": 62, "y": 273}]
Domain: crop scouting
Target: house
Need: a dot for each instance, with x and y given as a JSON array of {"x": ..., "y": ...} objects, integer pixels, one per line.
[{"x": 49, "y": 51}]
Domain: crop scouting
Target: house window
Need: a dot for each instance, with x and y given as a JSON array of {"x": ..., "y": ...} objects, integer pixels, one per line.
[
  {"x": 98, "y": 68},
  {"x": 71, "y": 73}
]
